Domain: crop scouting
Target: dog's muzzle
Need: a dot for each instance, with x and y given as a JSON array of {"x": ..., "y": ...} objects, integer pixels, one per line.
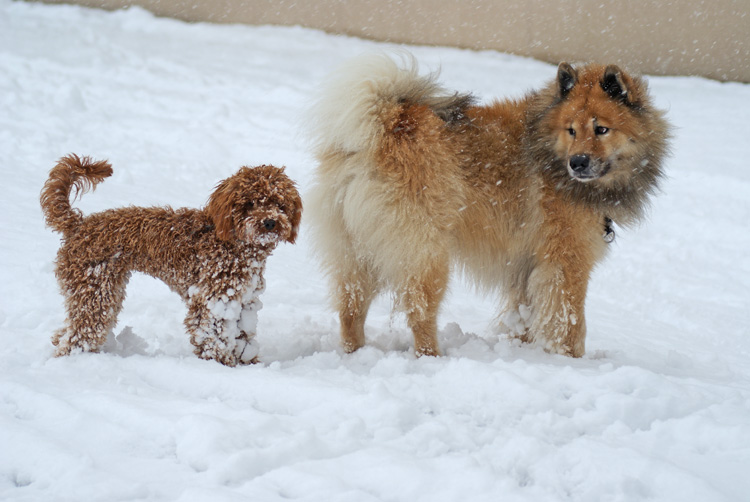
[
  {"x": 267, "y": 229},
  {"x": 582, "y": 168}
]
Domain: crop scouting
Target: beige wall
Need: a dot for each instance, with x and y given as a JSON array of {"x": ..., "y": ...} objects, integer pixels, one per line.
[{"x": 660, "y": 37}]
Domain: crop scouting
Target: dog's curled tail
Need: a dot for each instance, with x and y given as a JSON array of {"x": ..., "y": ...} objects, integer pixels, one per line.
[
  {"x": 356, "y": 100},
  {"x": 71, "y": 172}
]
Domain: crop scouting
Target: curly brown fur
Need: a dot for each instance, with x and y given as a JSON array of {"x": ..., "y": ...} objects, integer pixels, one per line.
[
  {"x": 213, "y": 258},
  {"x": 519, "y": 194}
]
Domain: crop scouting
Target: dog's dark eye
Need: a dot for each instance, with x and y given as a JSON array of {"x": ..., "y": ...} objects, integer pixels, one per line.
[
  {"x": 249, "y": 206},
  {"x": 572, "y": 131},
  {"x": 601, "y": 130}
]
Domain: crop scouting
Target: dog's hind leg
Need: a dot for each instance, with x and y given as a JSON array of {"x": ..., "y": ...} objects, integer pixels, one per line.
[
  {"x": 355, "y": 290},
  {"x": 93, "y": 303},
  {"x": 420, "y": 298}
]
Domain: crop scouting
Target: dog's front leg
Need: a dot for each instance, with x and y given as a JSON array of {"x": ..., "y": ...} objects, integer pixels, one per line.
[
  {"x": 569, "y": 246},
  {"x": 557, "y": 298},
  {"x": 218, "y": 327},
  {"x": 206, "y": 330},
  {"x": 246, "y": 347}
]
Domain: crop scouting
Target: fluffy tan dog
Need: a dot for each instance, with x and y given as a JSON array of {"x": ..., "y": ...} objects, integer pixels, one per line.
[
  {"x": 213, "y": 258},
  {"x": 518, "y": 194}
]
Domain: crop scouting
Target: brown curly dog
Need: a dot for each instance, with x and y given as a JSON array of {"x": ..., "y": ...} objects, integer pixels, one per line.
[{"x": 213, "y": 258}]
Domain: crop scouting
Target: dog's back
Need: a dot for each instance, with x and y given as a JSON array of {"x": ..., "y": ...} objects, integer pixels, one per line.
[{"x": 143, "y": 239}]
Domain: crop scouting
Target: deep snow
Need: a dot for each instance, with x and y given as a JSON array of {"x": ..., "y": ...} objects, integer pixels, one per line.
[{"x": 657, "y": 410}]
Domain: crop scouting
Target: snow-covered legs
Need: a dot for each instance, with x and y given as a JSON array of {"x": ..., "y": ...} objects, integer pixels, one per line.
[
  {"x": 92, "y": 303},
  {"x": 223, "y": 326}
]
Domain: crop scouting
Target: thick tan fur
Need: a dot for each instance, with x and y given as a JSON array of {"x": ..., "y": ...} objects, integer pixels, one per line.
[
  {"x": 213, "y": 258},
  {"x": 413, "y": 181}
]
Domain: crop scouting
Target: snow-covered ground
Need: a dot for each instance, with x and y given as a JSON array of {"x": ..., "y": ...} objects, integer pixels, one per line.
[{"x": 659, "y": 409}]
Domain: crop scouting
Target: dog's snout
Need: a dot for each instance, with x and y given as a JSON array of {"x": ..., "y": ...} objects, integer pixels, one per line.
[
  {"x": 269, "y": 224},
  {"x": 579, "y": 163}
]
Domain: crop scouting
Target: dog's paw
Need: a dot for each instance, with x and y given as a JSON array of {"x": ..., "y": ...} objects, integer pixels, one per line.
[
  {"x": 427, "y": 350},
  {"x": 246, "y": 351},
  {"x": 564, "y": 349}
]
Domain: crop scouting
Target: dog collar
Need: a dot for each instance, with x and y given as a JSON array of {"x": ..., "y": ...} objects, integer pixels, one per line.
[{"x": 609, "y": 231}]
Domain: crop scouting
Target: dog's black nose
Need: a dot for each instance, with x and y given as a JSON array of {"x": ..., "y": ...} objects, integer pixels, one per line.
[
  {"x": 269, "y": 224},
  {"x": 579, "y": 163}
]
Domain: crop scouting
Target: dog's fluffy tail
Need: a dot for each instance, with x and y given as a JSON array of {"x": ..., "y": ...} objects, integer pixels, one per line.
[
  {"x": 71, "y": 172},
  {"x": 388, "y": 185},
  {"x": 357, "y": 101}
]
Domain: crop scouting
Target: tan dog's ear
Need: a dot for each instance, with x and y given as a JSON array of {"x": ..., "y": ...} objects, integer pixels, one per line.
[
  {"x": 219, "y": 208},
  {"x": 614, "y": 84},
  {"x": 621, "y": 87},
  {"x": 567, "y": 78}
]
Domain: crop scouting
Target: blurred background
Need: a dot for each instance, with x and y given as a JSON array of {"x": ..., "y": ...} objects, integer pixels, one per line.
[{"x": 710, "y": 38}]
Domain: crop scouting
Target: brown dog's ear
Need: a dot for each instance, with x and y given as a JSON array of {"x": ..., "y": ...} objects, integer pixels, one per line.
[
  {"x": 567, "y": 78},
  {"x": 219, "y": 209},
  {"x": 296, "y": 219}
]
